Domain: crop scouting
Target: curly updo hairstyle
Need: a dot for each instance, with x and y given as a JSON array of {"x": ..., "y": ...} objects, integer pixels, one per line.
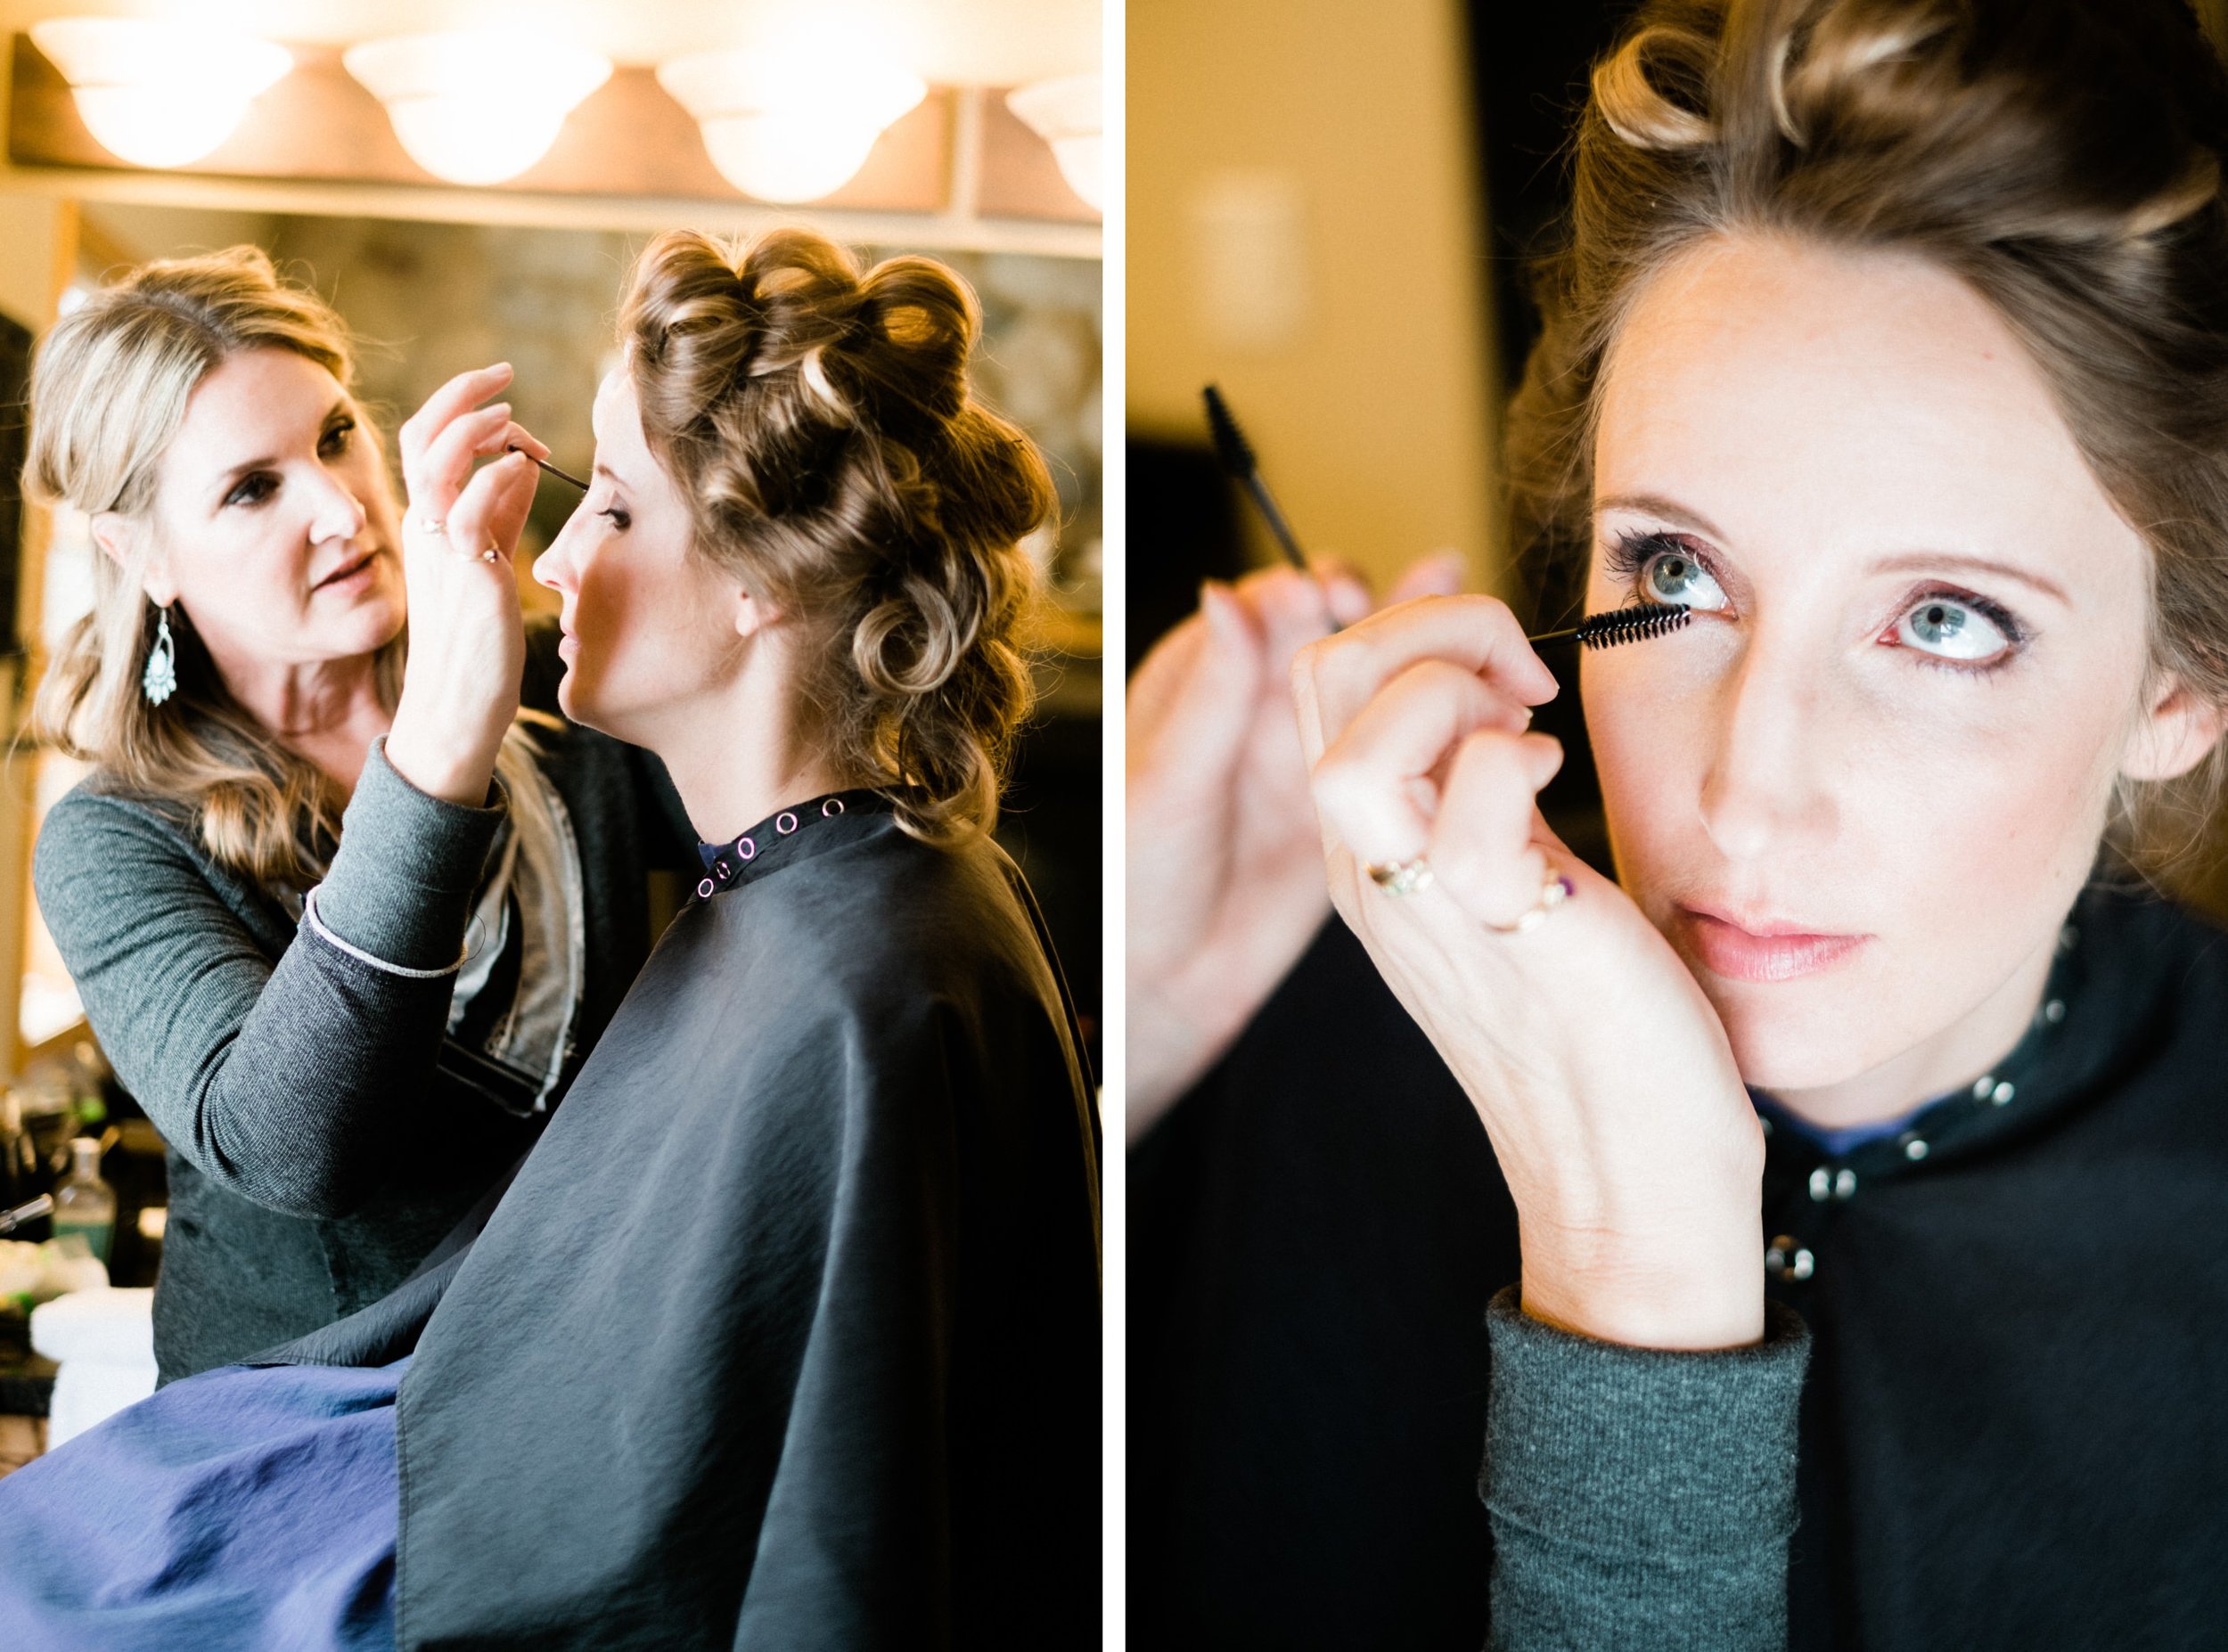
[
  {"x": 818, "y": 420},
  {"x": 2061, "y": 157}
]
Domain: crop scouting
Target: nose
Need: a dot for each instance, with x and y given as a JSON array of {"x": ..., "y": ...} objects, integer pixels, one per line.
[
  {"x": 335, "y": 512},
  {"x": 553, "y": 567},
  {"x": 1767, "y": 783}
]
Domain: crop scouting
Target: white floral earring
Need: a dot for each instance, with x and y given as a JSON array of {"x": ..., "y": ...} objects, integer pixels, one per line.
[{"x": 159, "y": 680}]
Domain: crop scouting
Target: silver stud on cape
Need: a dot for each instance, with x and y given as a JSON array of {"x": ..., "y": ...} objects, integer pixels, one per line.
[{"x": 159, "y": 680}]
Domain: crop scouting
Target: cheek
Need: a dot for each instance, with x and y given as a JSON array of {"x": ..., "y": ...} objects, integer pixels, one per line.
[
  {"x": 1953, "y": 821},
  {"x": 649, "y": 627}
]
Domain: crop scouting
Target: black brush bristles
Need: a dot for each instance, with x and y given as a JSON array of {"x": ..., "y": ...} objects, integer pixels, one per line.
[
  {"x": 1635, "y": 624},
  {"x": 1236, "y": 454},
  {"x": 1632, "y": 624},
  {"x": 1231, "y": 445}
]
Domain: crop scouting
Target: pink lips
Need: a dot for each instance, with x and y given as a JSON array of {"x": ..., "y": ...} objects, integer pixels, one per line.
[
  {"x": 1770, "y": 951},
  {"x": 347, "y": 572}
]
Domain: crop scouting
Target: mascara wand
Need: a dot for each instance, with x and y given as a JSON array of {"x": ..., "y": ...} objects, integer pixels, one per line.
[
  {"x": 1236, "y": 454},
  {"x": 1613, "y": 626}
]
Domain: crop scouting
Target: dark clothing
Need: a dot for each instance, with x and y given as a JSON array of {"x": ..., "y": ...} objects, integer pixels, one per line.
[
  {"x": 2010, "y": 1435},
  {"x": 786, "y": 1334},
  {"x": 324, "y": 1127}
]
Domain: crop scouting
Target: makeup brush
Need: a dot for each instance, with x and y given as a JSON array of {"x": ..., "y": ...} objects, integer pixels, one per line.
[
  {"x": 562, "y": 475},
  {"x": 1236, "y": 454},
  {"x": 1613, "y": 626}
]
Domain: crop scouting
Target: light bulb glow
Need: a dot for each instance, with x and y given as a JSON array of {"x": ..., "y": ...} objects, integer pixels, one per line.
[
  {"x": 159, "y": 94},
  {"x": 785, "y": 125},
  {"x": 477, "y": 106},
  {"x": 1068, "y": 114}
]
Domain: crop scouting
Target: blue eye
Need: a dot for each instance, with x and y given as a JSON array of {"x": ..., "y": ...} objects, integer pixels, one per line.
[
  {"x": 1952, "y": 629},
  {"x": 1676, "y": 577}
]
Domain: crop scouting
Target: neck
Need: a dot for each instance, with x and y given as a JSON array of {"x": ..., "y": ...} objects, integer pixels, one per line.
[
  {"x": 737, "y": 755},
  {"x": 327, "y": 711},
  {"x": 1950, "y": 1060}
]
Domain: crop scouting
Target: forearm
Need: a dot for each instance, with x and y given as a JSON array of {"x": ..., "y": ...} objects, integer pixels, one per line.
[
  {"x": 1639, "y": 1497},
  {"x": 285, "y": 1082}
]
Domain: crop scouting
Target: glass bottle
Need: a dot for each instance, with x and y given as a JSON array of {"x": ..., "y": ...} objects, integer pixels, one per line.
[{"x": 84, "y": 1204}]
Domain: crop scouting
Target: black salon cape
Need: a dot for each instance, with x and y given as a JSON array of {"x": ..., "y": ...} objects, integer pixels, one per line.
[
  {"x": 2015, "y": 1427},
  {"x": 786, "y": 1334}
]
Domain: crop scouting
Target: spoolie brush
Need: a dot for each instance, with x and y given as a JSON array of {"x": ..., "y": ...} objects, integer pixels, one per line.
[
  {"x": 1620, "y": 624},
  {"x": 1236, "y": 454}
]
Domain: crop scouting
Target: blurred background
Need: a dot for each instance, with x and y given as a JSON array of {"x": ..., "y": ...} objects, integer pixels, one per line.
[{"x": 467, "y": 183}]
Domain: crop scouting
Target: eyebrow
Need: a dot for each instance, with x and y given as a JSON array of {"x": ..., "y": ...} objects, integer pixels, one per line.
[{"x": 1908, "y": 562}]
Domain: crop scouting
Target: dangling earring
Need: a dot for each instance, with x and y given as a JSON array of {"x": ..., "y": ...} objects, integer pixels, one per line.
[{"x": 159, "y": 680}]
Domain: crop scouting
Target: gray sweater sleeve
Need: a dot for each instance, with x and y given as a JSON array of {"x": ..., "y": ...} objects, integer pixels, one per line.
[
  {"x": 289, "y": 1084},
  {"x": 1639, "y": 1497}
]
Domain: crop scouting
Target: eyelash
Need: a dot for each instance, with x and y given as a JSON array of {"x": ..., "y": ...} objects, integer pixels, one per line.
[
  {"x": 620, "y": 518},
  {"x": 331, "y": 445},
  {"x": 1630, "y": 553}
]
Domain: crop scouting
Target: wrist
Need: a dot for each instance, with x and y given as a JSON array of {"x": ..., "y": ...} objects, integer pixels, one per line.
[
  {"x": 1689, "y": 1290},
  {"x": 454, "y": 770}
]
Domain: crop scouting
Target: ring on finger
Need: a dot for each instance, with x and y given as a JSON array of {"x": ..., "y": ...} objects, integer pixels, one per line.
[
  {"x": 1557, "y": 890},
  {"x": 1412, "y": 876},
  {"x": 490, "y": 554},
  {"x": 428, "y": 525}
]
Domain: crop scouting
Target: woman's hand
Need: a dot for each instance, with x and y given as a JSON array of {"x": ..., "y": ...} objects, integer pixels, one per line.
[
  {"x": 1600, "y": 1070},
  {"x": 467, "y": 636},
  {"x": 1225, "y": 861}
]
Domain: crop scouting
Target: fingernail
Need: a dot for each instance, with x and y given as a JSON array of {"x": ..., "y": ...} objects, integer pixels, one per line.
[
  {"x": 1445, "y": 571},
  {"x": 1218, "y": 606},
  {"x": 1348, "y": 598}
]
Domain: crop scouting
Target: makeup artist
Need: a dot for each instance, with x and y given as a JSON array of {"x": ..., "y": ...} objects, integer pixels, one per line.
[
  {"x": 1890, "y": 338},
  {"x": 344, "y": 917}
]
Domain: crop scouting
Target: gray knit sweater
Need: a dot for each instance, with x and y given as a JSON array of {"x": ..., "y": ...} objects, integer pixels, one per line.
[
  {"x": 324, "y": 1129},
  {"x": 1639, "y": 1498}
]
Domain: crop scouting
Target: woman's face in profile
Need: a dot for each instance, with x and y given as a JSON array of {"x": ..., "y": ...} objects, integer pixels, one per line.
[
  {"x": 1860, "y": 791},
  {"x": 648, "y": 624},
  {"x": 274, "y": 522}
]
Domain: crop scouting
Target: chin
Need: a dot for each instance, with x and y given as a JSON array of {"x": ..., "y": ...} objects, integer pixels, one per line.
[{"x": 1781, "y": 1041}]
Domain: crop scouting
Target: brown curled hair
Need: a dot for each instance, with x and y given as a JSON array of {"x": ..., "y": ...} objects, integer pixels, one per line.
[
  {"x": 2061, "y": 157},
  {"x": 818, "y": 420}
]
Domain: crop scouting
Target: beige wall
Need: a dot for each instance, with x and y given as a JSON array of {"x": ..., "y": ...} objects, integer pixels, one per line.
[{"x": 1304, "y": 228}]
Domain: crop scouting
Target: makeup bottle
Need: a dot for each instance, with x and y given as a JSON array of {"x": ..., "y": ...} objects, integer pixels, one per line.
[{"x": 84, "y": 1204}]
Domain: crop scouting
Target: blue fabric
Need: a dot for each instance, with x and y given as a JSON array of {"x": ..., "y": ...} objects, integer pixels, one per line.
[
  {"x": 245, "y": 1509},
  {"x": 1836, "y": 1143}
]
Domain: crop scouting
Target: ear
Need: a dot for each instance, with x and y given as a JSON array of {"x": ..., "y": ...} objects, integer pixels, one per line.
[
  {"x": 2174, "y": 731},
  {"x": 753, "y": 614},
  {"x": 118, "y": 537}
]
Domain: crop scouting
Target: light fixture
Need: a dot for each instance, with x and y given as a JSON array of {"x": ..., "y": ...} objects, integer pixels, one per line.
[
  {"x": 159, "y": 94},
  {"x": 477, "y": 106},
  {"x": 789, "y": 126},
  {"x": 1066, "y": 114}
]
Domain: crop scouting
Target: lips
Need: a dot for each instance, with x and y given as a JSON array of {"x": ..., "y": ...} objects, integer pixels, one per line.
[
  {"x": 348, "y": 569},
  {"x": 1761, "y": 949}
]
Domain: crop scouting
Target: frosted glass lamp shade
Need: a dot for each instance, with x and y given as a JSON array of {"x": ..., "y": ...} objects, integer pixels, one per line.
[
  {"x": 1068, "y": 114},
  {"x": 477, "y": 106},
  {"x": 785, "y": 128},
  {"x": 159, "y": 94}
]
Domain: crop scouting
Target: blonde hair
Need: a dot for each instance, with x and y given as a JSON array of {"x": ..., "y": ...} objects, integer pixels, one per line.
[
  {"x": 110, "y": 386},
  {"x": 2062, "y": 159},
  {"x": 818, "y": 420}
]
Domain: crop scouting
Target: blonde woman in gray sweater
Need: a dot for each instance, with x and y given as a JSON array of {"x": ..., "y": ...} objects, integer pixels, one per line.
[{"x": 345, "y": 913}]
